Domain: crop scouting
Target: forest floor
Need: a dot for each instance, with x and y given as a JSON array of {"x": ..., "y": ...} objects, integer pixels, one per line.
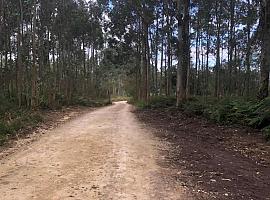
[
  {"x": 214, "y": 162},
  {"x": 102, "y": 154}
]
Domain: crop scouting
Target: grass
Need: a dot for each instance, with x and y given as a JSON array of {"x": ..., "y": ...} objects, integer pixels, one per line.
[
  {"x": 13, "y": 121},
  {"x": 250, "y": 113}
]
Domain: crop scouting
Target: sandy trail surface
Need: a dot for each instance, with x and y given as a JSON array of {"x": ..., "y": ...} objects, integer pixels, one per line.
[{"x": 104, "y": 154}]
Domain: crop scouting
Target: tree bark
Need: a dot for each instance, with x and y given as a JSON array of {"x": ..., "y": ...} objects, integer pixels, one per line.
[
  {"x": 19, "y": 57},
  {"x": 217, "y": 68},
  {"x": 184, "y": 50},
  {"x": 34, "y": 66},
  {"x": 265, "y": 56}
]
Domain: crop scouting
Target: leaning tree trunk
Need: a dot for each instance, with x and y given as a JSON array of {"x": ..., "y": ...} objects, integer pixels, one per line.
[{"x": 265, "y": 65}]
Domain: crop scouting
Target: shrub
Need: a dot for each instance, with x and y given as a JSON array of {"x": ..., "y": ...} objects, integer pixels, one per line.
[
  {"x": 120, "y": 98},
  {"x": 7, "y": 104},
  {"x": 225, "y": 111},
  {"x": 82, "y": 101},
  {"x": 266, "y": 133},
  {"x": 161, "y": 102},
  {"x": 18, "y": 119}
]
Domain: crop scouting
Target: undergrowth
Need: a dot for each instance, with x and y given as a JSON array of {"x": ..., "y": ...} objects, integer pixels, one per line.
[
  {"x": 120, "y": 98},
  {"x": 81, "y": 101},
  {"x": 13, "y": 119},
  {"x": 250, "y": 113}
]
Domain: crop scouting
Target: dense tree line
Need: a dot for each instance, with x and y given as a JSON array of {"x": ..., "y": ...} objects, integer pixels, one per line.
[
  {"x": 49, "y": 50},
  {"x": 199, "y": 47},
  {"x": 52, "y": 51}
]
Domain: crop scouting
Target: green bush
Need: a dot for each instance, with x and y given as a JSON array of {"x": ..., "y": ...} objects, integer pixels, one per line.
[
  {"x": 18, "y": 119},
  {"x": 266, "y": 133},
  {"x": 7, "y": 104},
  {"x": 5, "y": 129},
  {"x": 82, "y": 101},
  {"x": 260, "y": 114},
  {"x": 224, "y": 111},
  {"x": 120, "y": 98},
  {"x": 139, "y": 104},
  {"x": 155, "y": 102},
  {"x": 13, "y": 118},
  {"x": 194, "y": 106},
  {"x": 162, "y": 102}
]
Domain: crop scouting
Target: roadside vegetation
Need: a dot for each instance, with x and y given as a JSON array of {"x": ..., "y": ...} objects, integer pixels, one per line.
[
  {"x": 226, "y": 111},
  {"x": 14, "y": 119},
  {"x": 121, "y": 98}
]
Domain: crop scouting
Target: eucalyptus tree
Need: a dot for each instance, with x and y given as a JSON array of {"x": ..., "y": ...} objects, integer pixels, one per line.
[
  {"x": 183, "y": 8},
  {"x": 265, "y": 39},
  {"x": 44, "y": 49}
]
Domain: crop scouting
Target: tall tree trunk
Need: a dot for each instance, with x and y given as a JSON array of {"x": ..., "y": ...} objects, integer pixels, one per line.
[
  {"x": 217, "y": 67},
  {"x": 156, "y": 56},
  {"x": 19, "y": 57},
  {"x": 34, "y": 64},
  {"x": 162, "y": 55},
  {"x": 207, "y": 56},
  {"x": 169, "y": 54},
  {"x": 184, "y": 50},
  {"x": 248, "y": 53},
  {"x": 161, "y": 69},
  {"x": 145, "y": 61},
  {"x": 196, "y": 78},
  {"x": 231, "y": 44},
  {"x": 265, "y": 65}
]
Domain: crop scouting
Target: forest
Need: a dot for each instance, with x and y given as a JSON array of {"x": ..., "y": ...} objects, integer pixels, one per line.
[
  {"x": 134, "y": 99},
  {"x": 56, "y": 52}
]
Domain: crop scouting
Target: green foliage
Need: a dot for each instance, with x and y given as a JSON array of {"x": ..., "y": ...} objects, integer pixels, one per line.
[
  {"x": 260, "y": 117},
  {"x": 6, "y": 104},
  {"x": 81, "y": 101},
  {"x": 5, "y": 130},
  {"x": 266, "y": 133},
  {"x": 120, "y": 98},
  {"x": 16, "y": 121},
  {"x": 193, "y": 106},
  {"x": 251, "y": 113},
  {"x": 161, "y": 102},
  {"x": 155, "y": 102},
  {"x": 227, "y": 111},
  {"x": 13, "y": 118},
  {"x": 139, "y": 104}
]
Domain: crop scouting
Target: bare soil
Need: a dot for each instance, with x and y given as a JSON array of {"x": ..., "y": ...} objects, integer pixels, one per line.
[
  {"x": 103, "y": 154},
  {"x": 213, "y": 162}
]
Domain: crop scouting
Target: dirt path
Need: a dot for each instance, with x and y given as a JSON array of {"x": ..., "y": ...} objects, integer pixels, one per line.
[{"x": 105, "y": 154}]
